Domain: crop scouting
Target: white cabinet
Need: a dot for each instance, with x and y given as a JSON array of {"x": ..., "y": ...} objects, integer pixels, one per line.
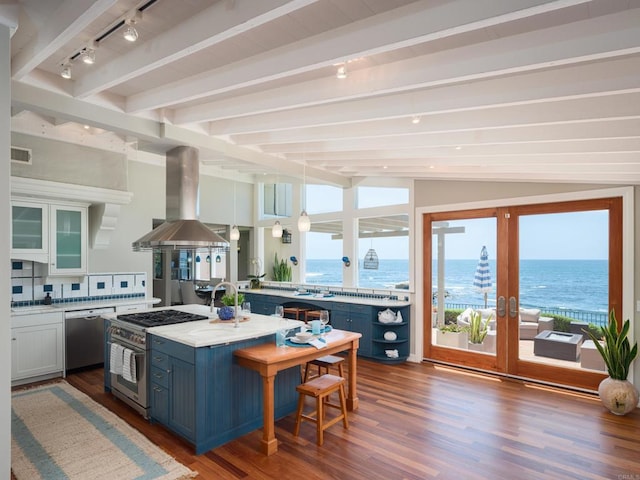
[
  {"x": 37, "y": 346},
  {"x": 68, "y": 237},
  {"x": 53, "y": 234},
  {"x": 30, "y": 231},
  {"x": 134, "y": 307}
]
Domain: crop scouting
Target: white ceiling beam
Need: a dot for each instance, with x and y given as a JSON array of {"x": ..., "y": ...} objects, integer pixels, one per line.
[
  {"x": 209, "y": 27},
  {"x": 64, "y": 107},
  {"x": 508, "y": 135},
  {"x": 603, "y": 146},
  {"x": 580, "y": 110},
  {"x": 555, "y": 84},
  {"x": 70, "y": 19},
  {"x": 594, "y": 39},
  {"x": 181, "y": 136},
  {"x": 411, "y": 24}
]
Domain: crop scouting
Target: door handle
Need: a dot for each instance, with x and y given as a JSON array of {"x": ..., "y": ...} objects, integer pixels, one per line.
[
  {"x": 502, "y": 304},
  {"x": 512, "y": 307}
]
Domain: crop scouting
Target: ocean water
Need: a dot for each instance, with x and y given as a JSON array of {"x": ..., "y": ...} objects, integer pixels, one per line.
[{"x": 556, "y": 284}]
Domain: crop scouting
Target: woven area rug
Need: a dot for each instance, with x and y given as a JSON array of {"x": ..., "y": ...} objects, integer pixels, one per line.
[{"x": 58, "y": 432}]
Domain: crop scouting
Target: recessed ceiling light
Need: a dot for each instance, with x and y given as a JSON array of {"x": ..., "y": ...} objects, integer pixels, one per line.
[
  {"x": 342, "y": 72},
  {"x": 458, "y": 147},
  {"x": 415, "y": 119}
]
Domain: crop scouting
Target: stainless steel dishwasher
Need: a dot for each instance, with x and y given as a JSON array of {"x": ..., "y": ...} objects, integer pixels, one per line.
[{"x": 84, "y": 337}]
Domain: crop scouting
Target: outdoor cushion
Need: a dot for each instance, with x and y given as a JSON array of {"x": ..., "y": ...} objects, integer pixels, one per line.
[{"x": 529, "y": 314}]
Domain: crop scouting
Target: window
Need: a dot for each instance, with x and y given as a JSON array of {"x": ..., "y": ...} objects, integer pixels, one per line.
[
  {"x": 323, "y": 199},
  {"x": 277, "y": 199}
]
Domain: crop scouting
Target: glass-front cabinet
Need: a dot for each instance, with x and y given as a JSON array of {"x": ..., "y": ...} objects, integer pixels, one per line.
[
  {"x": 50, "y": 233},
  {"x": 30, "y": 231},
  {"x": 68, "y": 240}
]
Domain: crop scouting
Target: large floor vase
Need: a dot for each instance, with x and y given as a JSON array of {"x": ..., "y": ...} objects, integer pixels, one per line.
[{"x": 619, "y": 396}]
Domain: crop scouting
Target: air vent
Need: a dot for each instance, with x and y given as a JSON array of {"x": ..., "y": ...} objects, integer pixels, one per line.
[{"x": 21, "y": 155}]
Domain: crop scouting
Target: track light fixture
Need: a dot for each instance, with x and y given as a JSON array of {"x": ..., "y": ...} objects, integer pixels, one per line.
[
  {"x": 415, "y": 119},
  {"x": 130, "y": 33},
  {"x": 66, "y": 71},
  {"x": 342, "y": 72},
  {"x": 88, "y": 56}
]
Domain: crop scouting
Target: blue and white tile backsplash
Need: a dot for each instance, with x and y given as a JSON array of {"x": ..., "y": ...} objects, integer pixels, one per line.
[{"x": 29, "y": 285}]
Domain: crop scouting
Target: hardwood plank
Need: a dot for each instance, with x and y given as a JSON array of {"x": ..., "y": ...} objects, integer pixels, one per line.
[{"x": 421, "y": 421}]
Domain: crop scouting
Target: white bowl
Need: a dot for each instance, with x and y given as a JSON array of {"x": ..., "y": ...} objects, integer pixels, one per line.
[{"x": 303, "y": 336}]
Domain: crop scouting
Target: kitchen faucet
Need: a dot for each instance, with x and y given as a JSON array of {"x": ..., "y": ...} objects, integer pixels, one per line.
[{"x": 236, "y": 314}]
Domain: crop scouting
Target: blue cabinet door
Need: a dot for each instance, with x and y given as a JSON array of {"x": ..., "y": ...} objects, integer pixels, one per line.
[
  {"x": 159, "y": 403},
  {"x": 182, "y": 392}
]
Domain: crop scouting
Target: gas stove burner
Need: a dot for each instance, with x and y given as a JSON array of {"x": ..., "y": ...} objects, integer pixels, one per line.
[{"x": 160, "y": 317}]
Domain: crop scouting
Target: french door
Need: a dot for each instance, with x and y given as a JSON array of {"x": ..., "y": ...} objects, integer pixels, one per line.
[{"x": 539, "y": 276}]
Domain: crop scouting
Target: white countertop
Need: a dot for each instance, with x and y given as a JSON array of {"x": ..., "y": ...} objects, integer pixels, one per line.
[
  {"x": 376, "y": 302},
  {"x": 69, "y": 306},
  {"x": 203, "y": 333}
]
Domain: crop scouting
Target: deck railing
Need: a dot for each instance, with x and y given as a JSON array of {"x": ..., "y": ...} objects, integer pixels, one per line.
[{"x": 597, "y": 318}]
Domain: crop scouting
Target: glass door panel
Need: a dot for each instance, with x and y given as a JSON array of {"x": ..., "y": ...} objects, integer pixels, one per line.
[
  {"x": 463, "y": 274},
  {"x": 28, "y": 228},
  {"x": 563, "y": 287},
  {"x": 68, "y": 239}
]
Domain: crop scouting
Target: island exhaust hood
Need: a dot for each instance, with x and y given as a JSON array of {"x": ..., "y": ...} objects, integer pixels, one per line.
[{"x": 182, "y": 229}]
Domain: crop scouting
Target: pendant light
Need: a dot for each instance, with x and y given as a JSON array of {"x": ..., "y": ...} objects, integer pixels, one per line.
[
  {"x": 304, "y": 222},
  {"x": 235, "y": 232},
  {"x": 276, "y": 230}
]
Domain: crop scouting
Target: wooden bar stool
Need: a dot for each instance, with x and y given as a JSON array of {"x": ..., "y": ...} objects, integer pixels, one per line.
[
  {"x": 323, "y": 364},
  {"x": 297, "y": 312},
  {"x": 321, "y": 388},
  {"x": 312, "y": 315}
]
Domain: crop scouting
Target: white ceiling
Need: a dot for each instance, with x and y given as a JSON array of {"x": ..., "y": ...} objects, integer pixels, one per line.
[{"x": 507, "y": 90}]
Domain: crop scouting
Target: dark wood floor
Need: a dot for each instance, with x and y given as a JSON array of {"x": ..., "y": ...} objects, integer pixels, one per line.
[{"x": 420, "y": 421}]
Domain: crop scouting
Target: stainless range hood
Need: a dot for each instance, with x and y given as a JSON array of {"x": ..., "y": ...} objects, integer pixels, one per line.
[{"x": 182, "y": 229}]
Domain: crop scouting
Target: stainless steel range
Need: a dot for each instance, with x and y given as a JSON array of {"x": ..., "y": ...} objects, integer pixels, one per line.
[{"x": 129, "y": 331}]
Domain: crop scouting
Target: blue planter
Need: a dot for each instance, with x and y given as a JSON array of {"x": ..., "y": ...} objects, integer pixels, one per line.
[{"x": 226, "y": 313}]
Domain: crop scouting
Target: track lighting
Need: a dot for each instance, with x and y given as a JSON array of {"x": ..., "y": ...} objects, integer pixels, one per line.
[
  {"x": 415, "y": 119},
  {"x": 130, "y": 33},
  {"x": 276, "y": 230},
  {"x": 88, "y": 56},
  {"x": 342, "y": 72},
  {"x": 66, "y": 71}
]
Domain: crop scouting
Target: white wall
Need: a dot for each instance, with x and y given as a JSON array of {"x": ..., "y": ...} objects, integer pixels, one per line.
[{"x": 5, "y": 201}]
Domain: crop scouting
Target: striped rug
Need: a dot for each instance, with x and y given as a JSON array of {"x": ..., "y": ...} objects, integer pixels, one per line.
[{"x": 58, "y": 432}]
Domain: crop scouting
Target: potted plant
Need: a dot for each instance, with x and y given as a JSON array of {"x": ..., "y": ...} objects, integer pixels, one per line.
[
  {"x": 228, "y": 311},
  {"x": 255, "y": 281},
  {"x": 452, "y": 335},
  {"x": 616, "y": 393},
  {"x": 478, "y": 330},
  {"x": 281, "y": 270}
]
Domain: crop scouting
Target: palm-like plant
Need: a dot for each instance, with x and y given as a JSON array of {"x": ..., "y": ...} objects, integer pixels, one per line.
[
  {"x": 477, "y": 328},
  {"x": 616, "y": 351}
]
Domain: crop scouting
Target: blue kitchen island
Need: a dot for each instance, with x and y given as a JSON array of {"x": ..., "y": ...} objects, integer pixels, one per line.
[{"x": 198, "y": 390}]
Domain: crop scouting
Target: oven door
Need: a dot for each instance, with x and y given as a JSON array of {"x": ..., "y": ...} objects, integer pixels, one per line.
[{"x": 135, "y": 394}]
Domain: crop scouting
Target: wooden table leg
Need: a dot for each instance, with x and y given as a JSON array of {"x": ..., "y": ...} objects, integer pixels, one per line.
[
  {"x": 269, "y": 441},
  {"x": 352, "y": 394}
]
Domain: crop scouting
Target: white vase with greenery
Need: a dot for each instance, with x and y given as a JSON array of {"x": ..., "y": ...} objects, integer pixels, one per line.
[{"x": 616, "y": 393}]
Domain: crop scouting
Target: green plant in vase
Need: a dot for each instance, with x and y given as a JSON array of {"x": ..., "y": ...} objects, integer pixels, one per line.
[
  {"x": 281, "y": 270},
  {"x": 616, "y": 393},
  {"x": 478, "y": 329},
  {"x": 228, "y": 311}
]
